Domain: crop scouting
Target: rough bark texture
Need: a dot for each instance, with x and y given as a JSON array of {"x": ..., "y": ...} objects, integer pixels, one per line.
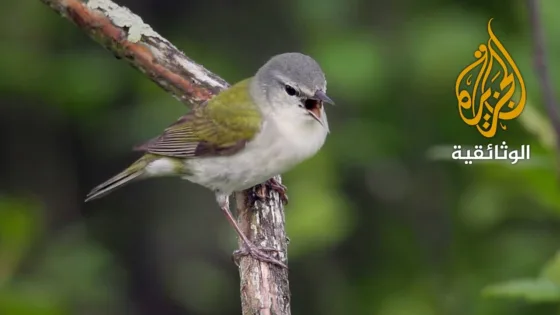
[{"x": 264, "y": 288}]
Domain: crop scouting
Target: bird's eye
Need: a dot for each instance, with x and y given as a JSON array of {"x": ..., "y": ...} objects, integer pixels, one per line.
[{"x": 290, "y": 90}]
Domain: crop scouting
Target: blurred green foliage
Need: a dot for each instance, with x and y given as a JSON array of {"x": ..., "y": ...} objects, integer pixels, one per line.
[{"x": 378, "y": 222}]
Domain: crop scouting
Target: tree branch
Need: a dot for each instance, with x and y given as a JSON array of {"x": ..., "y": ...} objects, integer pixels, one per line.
[
  {"x": 264, "y": 288},
  {"x": 541, "y": 69}
]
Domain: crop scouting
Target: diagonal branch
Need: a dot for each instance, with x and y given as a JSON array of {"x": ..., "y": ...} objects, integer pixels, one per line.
[
  {"x": 541, "y": 68},
  {"x": 264, "y": 288}
]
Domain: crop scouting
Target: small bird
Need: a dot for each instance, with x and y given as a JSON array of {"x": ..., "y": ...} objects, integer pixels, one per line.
[{"x": 258, "y": 128}]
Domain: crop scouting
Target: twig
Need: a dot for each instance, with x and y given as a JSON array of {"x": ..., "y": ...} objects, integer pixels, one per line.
[
  {"x": 541, "y": 68},
  {"x": 264, "y": 288}
]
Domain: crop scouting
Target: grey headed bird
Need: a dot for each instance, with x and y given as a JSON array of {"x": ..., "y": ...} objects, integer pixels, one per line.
[{"x": 258, "y": 128}]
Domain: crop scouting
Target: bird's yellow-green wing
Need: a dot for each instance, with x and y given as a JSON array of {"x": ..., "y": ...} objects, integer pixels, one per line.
[{"x": 221, "y": 126}]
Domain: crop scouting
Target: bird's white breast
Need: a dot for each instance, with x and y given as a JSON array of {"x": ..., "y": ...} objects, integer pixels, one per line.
[{"x": 286, "y": 139}]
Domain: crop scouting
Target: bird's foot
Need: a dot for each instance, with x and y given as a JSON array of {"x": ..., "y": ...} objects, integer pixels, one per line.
[
  {"x": 279, "y": 188},
  {"x": 258, "y": 253},
  {"x": 259, "y": 192}
]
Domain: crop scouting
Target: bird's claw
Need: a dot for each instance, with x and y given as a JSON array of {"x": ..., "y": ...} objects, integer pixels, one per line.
[
  {"x": 259, "y": 192},
  {"x": 279, "y": 188},
  {"x": 258, "y": 253}
]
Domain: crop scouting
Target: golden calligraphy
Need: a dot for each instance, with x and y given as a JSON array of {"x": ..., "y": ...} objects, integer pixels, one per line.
[{"x": 486, "y": 89}]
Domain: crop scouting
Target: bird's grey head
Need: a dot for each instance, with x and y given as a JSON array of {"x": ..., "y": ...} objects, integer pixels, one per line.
[{"x": 293, "y": 80}]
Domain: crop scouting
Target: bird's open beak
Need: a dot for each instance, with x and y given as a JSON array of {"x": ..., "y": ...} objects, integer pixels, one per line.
[{"x": 314, "y": 106}]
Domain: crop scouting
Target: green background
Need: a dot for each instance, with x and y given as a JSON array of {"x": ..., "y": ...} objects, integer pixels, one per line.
[{"x": 377, "y": 224}]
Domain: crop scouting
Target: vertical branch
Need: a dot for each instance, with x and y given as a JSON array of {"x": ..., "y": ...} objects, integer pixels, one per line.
[
  {"x": 264, "y": 288},
  {"x": 541, "y": 68}
]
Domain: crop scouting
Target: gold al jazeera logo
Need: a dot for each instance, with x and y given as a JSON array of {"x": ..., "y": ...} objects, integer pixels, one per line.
[{"x": 490, "y": 92}]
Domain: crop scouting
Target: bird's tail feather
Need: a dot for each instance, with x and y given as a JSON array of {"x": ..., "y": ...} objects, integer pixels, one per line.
[{"x": 134, "y": 172}]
